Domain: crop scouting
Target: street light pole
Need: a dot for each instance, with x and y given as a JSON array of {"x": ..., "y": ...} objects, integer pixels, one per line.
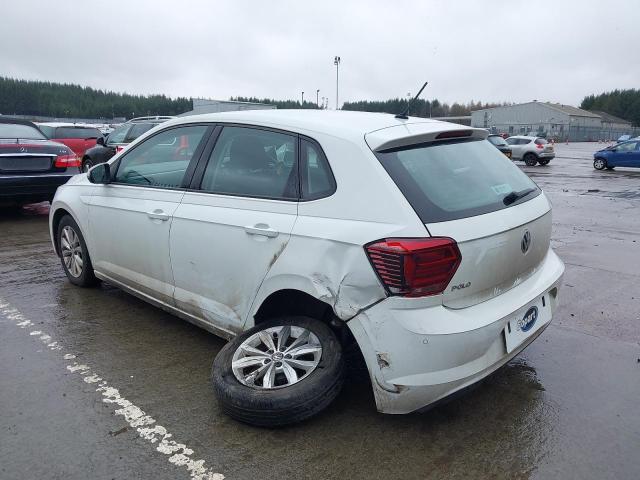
[
  {"x": 336, "y": 62},
  {"x": 317, "y": 97},
  {"x": 302, "y": 104}
]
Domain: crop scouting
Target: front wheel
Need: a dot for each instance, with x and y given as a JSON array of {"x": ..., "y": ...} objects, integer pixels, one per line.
[
  {"x": 74, "y": 255},
  {"x": 599, "y": 164},
  {"x": 530, "y": 159},
  {"x": 279, "y": 372}
]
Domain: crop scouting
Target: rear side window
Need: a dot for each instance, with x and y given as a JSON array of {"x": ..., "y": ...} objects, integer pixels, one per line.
[
  {"x": 541, "y": 141},
  {"x": 117, "y": 136},
  {"x": 459, "y": 179},
  {"x": 252, "y": 162},
  {"x": 77, "y": 132},
  {"x": 316, "y": 179},
  {"x": 524, "y": 141}
]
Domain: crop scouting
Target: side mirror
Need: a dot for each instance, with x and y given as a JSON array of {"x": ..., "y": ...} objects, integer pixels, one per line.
[
  {"x": 100, "y": 174},
  {"x": 100, "y": 141}
]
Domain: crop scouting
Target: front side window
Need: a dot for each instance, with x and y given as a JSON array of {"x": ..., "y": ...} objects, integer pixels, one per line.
[
  {"x": 317, "y": 179},
  {"x": 254, "y": 163},
  {"x": 512, "y": 141},
  {"x": 47, "y": 130},
  {"x": 497, "y": 140},
  {"x": 626, "y": 147},
  {"x": 161, "y": 160},
  {"x": 458, "y": 179},
  {"x": 137, "y": 130}
]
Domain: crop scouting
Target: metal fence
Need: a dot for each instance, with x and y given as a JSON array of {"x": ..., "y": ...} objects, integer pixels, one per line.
[{"x": 563, "y": 133}]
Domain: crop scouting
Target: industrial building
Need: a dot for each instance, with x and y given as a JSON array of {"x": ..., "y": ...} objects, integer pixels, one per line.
[
  {"x": 552, "y": 120},
  {"x": 205, "y": 105}
]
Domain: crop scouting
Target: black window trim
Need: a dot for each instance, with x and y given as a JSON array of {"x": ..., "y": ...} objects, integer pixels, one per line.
[{"x": 188, "y": 174}]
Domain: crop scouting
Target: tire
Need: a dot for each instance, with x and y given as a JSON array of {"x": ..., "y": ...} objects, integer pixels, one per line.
[
  {"x": 87, "y": 164},
  {"x": 70, "y": 240},
  {"x": 530, "y": 159},
  {"x": 599, "y": 164},
  {"x": 610, "y": 168},
  {"x": 285, "y": 403},
  {"x": 544, "y": 162}
]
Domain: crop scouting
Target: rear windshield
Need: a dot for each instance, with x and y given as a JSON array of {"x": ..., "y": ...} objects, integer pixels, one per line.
[
  {"x": 458, "y": 179},
  {"x": 16, "y": 130},
  {"x": 541, "y": 141},
  {"x": 77, "y": 132}
]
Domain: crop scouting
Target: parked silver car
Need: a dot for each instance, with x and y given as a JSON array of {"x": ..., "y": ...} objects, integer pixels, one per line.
[{"x": 531, "y": 149}]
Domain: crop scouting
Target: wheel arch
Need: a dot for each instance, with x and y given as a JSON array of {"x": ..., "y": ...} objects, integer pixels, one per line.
[{"x": 56, "y": 218}]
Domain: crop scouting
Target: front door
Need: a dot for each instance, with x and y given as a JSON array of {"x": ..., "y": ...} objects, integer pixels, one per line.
[
  {"x": 227, "y": 234},
  {"x": 130, "y": 218},
  {"x": 626, "y": 155}
]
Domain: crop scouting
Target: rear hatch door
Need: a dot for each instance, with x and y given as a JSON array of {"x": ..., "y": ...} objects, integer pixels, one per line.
[
  {"x": 20, "y": 156},
  {"x": 462, "y": 187}
]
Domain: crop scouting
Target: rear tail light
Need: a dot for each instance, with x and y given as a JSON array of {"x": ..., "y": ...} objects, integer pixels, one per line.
[
  {"x": 119, "y": 148},
  {"x": 415, "y": 267},
  {"x": 67, "y": 160}
]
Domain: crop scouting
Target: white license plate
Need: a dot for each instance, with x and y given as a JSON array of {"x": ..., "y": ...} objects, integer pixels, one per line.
[{"x": 527, "y": 321}]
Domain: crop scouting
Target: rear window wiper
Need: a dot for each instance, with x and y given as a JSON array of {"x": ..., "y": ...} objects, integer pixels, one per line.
[{"x": 515, "y": 196}]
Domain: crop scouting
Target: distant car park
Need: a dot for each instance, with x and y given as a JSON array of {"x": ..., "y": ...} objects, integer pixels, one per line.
[
  {"x": 77, "y": 137},
  {"x": 31, "y": 166},
  {"x": 531, "y": 149},
  {"x": 625, "y": 154},
  {"x": 500, "y": 143},
  {"x": 118, "y": 139}
]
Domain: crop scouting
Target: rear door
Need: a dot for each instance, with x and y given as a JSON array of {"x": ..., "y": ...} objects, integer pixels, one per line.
[
  {"x": 131, "y": 217},
  {"x": 469, "y": 191},
  {"x": 233, "y": 223}
]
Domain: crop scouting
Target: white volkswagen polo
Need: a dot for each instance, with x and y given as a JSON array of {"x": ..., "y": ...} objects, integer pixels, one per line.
[{"x": 297, "y": 233}]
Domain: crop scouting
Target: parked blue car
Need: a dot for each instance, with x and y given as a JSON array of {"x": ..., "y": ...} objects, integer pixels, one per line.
[{"x": 625, "y": 154}]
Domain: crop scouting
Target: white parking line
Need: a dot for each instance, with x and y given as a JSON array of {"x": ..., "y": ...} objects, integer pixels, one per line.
[{"x": 178, "y": 453}]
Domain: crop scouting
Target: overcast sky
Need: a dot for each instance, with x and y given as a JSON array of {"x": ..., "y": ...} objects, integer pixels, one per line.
[{"x": 491, "y": 50}]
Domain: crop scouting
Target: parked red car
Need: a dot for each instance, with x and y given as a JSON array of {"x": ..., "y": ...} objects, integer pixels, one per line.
[{"x": 77, "y": 137}]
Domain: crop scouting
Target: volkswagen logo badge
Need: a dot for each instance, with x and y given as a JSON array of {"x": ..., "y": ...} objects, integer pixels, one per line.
[{"x": 526, "y": 241}]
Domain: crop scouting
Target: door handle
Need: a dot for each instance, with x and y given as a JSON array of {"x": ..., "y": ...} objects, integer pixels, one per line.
[
  {"x": 158, "y": 214},
  {"x": 261, "y": 229}
]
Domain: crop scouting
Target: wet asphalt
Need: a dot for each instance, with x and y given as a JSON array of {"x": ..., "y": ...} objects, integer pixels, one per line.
[{"x": 568, "y": 407}]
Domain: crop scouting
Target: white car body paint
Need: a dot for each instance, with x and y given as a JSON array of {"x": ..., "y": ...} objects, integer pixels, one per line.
[
  {"x": 203, "y": 266},
  {"x": 146, "y": 426}
]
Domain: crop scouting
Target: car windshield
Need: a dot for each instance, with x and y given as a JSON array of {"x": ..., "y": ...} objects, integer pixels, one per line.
[
  {"x": 17, "y": 130},
  {"x": 458, "y": 179},
  {"x": 497, "y": 140}
]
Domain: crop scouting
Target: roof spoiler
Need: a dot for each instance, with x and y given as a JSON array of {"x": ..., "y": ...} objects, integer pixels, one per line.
[{"x": 418, "y": 133}]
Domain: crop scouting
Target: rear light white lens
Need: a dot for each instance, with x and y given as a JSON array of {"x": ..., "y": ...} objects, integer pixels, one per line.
[{"x": 415, "y": 267}]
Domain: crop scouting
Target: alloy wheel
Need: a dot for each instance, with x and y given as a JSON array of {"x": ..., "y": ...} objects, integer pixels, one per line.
[
  {"x": 71, "y": 251},
  {"x": 276, "y": 357}
]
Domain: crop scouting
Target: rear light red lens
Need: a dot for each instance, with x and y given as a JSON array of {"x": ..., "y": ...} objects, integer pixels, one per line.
[
  {"x": 539, "y": 146},
  {"x": 70, "y": 160},
  {"x": 415, "y": 267},
  {"x": 119, "y": 148},
  {"x": 454, "y": 134}
]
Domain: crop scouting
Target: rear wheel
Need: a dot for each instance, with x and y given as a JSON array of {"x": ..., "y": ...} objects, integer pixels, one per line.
[
  {"x": 282, "y": 371},
  {"x": 74, "y": 255},
  {"x": 600, "y": 164},
  {"x": 544, "y": 162},
  {"x": 530, "y": 159}
]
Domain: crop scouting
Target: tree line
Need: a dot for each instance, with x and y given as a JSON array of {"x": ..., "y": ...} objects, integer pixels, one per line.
[
  {"x": 420, "y": 107},
  {"x": 621, "y": 103},
  {"x": 32, "y": 97}
]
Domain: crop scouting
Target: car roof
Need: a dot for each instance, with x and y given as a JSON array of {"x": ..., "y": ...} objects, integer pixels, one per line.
[
  {"x": 339, "y": 123},
  {"x": 17, "y": 121}
]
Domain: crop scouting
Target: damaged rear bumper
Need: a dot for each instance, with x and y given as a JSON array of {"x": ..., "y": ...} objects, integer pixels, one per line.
[{"x": 417, "y": 355}]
